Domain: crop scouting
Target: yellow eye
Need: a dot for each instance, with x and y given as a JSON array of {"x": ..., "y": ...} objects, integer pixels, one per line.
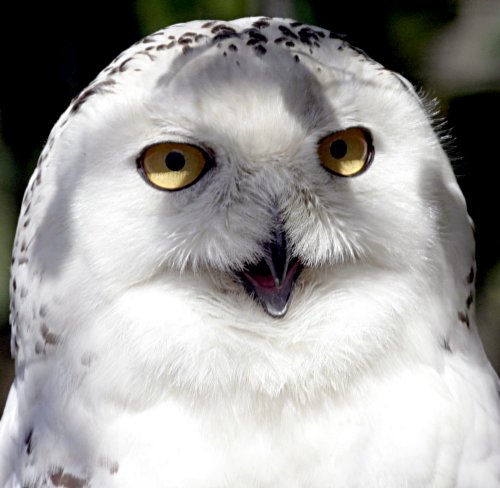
[
  {"x": 347, "y": 152},
  {"x": 173, "y": 165}
]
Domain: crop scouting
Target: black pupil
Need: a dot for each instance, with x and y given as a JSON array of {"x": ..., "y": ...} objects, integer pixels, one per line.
[
  {"x": 338, "y": 149},
  {"x": 175, "y": 161}
]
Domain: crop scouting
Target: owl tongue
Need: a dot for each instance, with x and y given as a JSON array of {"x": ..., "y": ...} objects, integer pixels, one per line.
[
  {"x": 263, "y": 281},
  {"x": 271, "y": 280}
]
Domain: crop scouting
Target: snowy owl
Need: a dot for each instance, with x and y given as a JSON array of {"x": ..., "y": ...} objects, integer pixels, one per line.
[{"x": 243, "y": 260}]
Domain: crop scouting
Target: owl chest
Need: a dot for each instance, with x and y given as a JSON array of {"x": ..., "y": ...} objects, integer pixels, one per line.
[{"x": 321, "y": 448}]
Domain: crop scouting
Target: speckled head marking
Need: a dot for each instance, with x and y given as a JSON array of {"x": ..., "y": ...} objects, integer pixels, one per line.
[{"x": 252, "y": 36}]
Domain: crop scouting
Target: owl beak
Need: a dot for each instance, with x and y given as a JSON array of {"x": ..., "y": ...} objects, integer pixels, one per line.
[{"x": 271, "y": 280}]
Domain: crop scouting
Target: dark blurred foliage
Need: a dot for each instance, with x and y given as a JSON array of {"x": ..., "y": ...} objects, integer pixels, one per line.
[
  {"x": 50, "y": 52},
  {"x": 392, "y": 32},
  {"x": 478, "y": 170}
]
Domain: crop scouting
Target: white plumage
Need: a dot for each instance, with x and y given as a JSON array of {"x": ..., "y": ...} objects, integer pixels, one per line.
[{"x": 243, "y": 260}]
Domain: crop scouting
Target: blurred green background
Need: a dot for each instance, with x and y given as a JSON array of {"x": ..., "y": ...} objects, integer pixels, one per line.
[{"x": 451, "y": 49}]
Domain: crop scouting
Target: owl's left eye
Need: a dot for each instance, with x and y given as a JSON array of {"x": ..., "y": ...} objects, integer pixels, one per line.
[
  {"x": 347, "y": 152},
  {"x": 173, "y": 165}
]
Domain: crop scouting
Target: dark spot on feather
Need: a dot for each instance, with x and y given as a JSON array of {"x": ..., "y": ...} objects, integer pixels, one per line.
[
  {"x": 161, "y": 47},
  {"x": 185, "y": 40},
  {"x": 86, "y": 94},
  {"x": 446, "y": 345},
  {"x": 42, "y": 158},
  {"x": 233, "y": 47},
  {"x": 279, "y": 40},
  {"x": 38, "y": 347},
  {"x": 111, "y": 466},
  {"x": 296, "y": 58},
  {"x": 23, "y": 260},
  {"x": 255, "y": 34},
  {"x": 464, "y": 317},
  {"x": 307, "y": 35},
  {"x": 43, "y": 311},
  {"x": 208, "y": 24},
  {"x": 49, "y": 337},
  {"x": 260, "y": 50},
  {"x": 296, "y": 24},
  {"x": 470, "y": 276},
  {"x": 171, "y": 44},
  {"x": 186, "y": 49},
  {"x": 287, "y": 32},
  {"x": 259, "y": 24},
  {"x": 123, "y": 65},
  {"x": 470, "y": 299},
  {"x": 28, "y": 442},
  {"x": 150, "y": 56},
  {"x": 222, "y": 27},
  {"x": 224, "y": 35},
  {"x": 66, "y": 480},
  {"x": 289, "y": 43}
]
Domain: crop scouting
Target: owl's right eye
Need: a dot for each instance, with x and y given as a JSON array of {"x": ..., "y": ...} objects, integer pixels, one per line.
[
  {"x": 173, "y": 165},
  {"x": 347, "y": 152}
]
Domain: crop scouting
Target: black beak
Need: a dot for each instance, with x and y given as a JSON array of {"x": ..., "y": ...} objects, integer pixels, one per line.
[{"x": 271, "y": 280}]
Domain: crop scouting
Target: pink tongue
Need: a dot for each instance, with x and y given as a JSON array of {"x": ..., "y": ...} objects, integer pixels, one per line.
[{"x": 264, "y": 281}]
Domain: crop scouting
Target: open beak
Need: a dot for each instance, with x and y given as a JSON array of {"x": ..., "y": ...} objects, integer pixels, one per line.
[{"x": 271, "y": 280}]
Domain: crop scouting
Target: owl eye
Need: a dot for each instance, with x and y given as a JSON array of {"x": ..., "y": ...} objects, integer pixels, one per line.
[
  {"x": 348, "y": 152},
  {"x": 173, "y": 165}
]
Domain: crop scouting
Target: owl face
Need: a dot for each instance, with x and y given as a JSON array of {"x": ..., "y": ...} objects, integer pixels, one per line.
[
  {"x": 249, "y": 142},
  {"x": 254, "y": 176}
]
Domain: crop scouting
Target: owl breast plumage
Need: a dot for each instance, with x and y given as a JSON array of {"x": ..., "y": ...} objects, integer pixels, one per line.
[{"x": 244, "y": 260}]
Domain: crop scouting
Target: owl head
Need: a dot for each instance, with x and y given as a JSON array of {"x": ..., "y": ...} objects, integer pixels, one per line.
[{"x": 255, "y": 203}]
